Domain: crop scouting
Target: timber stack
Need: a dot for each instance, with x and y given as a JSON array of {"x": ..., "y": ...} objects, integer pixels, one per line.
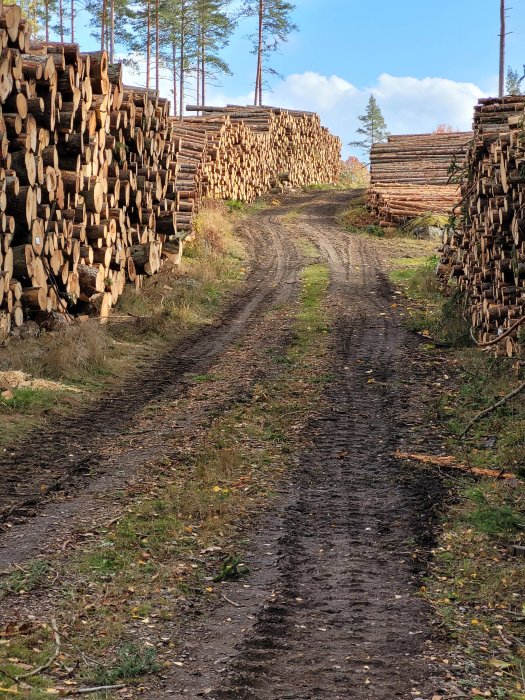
[
  {"x": 99, "y": 185},
  {"x": 486, "y": 254},
  {"x": 411, "y": 175},
  {"x": 253, "y": 150}
]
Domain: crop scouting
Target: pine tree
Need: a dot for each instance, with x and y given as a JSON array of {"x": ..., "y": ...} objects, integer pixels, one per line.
[
  {"x": 513, "y": 82},
  {"x": 374, "y": 129},
  {"x": 178, "y": 44},
  {"x": 274, "y": 26},
  {"x": 111, "y": 22},
  {"x": 40, "y": 15},
  {"x": 214, "y": 29}
]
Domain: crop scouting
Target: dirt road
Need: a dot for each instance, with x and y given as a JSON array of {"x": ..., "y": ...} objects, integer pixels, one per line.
[{"x": 330, "y": 610}]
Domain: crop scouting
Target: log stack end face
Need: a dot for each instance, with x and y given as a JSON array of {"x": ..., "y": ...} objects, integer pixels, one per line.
[
  {"x": 410, "y": 175},
  {"x": 486, "y": 254}
]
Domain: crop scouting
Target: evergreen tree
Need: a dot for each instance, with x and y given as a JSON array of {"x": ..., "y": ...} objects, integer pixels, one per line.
[
  {"x": 40, "y": 15},
  {"x": 111, "y": 22},
  {"x": 513, "y": 82},
  {"x": 374, "y": 128},
  {"x": 274, "y": 25},
  {"x": 214, "y": 29}
]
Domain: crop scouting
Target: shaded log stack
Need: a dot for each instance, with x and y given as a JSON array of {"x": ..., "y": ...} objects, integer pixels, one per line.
[
  {"x": 98, "y": 184},
  {"x": 396, "y": 204},
  {"x": 487, "y": 252},
  {"x": 410, "y": 175}
]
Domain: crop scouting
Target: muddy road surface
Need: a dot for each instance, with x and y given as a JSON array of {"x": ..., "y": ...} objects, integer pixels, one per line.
[{"x": 330, "y": 610}]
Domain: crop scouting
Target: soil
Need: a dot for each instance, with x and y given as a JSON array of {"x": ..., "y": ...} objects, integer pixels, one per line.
[{"x": 331, "y": 609}]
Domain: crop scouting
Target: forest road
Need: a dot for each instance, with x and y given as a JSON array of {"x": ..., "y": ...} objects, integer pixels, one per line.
[{"x": 331, "y": 608}]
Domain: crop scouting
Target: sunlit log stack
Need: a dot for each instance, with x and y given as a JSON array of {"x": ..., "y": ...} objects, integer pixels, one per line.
[
  {"x": 253, "y": 149},
  {"x": 410, "y": 175},
  {"x": 487, "y": 252},
  {"x": 99, "y": 185},
  {"x": 422, "y": 159}
]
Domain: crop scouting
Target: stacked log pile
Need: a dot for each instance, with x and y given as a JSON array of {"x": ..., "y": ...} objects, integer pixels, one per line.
[
  {"x": 85, "y": 174},
  {"x": 487, "y": 252},
  {"x": 252, "y": 150},
  {"x": 410, "y": 175},
  {"x": 98, "y": 183},
  {"x": 393, "y": 204},
  {"x": 417, "y": 159}
]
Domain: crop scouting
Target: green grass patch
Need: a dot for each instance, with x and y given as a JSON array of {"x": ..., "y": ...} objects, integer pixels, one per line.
[
  {"x": 202, "y": 378},
  {"x": 307, "y": 248},
  {"x": 132, "y": 661},
  {"x": 435, "y": 309},
  {"x": 417, "y": 276},
  {"x": 320, "y": 187},
  {"x": 477, "y": 580},
  {"x": 235, "y": 205},
  {"x": 311, "y": 320},
  {"x": 492, "y": 518},
  {"x": 28, "y": 400},
  {"x": 357, "y": 219},
  {"x": 25, "y": 578},
  {"x": 427, "y": 220}
]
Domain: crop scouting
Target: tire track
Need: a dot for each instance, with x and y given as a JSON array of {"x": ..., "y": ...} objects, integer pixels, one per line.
[
  {"x": 334, "y": 612},
  {"x": 74, "y": 457}
]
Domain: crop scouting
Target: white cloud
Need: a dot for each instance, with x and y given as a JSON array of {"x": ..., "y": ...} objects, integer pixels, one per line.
[{"x": 409, "y": 105}]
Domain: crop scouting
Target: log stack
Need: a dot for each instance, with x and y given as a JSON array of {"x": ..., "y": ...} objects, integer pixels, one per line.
[
  {"x": 396, "y": 204},
  {"x": 98, "y": 184},
  {"x": 85, "y": 169},
  {"x": 417, "y": 159},
  {"x": 487, "y": 251},
  {"x": 253, "y": 150},
  {"x": 411, "y": 174}
]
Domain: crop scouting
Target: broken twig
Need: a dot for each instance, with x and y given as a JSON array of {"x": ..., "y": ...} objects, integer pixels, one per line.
[
  {"x": 449, "y": 462},
  {"x": 99, "y": 688},
  {"x": 493, "y": 408},
  {"x": 52, "y": 658},
  {"x": 232, "y": 602}
]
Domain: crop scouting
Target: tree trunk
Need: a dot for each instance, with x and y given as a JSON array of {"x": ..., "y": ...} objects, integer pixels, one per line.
[
  {"x": 148, "y": 44},
  {"x": 72, "y": 21},
  {"x": 259, "y": 54},
  {"x": 61, "y": 20},
  {"x": 174, "y": 59},
  {"x": 157, "y": 65},
  {"x": 261, "y": 82},
  {"x": 182, "y": 57},
  {"x": 203, "y": 70},
  {"x": 47, "y": 20},
  {"x": 103, "y": 26},
  {"x": 199, "y": 72},
  {"x": 502, "y": 49},
  {"x": 112, "y": 32}
]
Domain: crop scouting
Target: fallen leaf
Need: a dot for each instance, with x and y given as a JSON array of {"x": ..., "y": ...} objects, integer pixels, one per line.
[{"x": 496, "y": 663}]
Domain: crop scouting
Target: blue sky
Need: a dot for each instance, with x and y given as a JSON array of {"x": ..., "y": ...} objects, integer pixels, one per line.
[{"x": 425, "y": 61}]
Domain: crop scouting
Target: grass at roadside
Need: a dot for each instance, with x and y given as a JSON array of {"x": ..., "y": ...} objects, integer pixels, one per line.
[
  {"x": 88, "y": 356},
  {"x": 116, "y": 601},
  {"x": 476, "y": 581},
  {"x": 357, "y": 219}
]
